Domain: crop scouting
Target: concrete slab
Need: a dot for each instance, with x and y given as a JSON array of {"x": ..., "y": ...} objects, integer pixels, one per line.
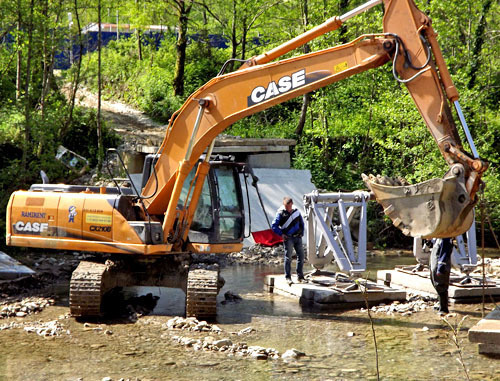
[
  {"x": 487, "y": 330},
  {"x": 227, "y": 145},
  {"x": 12, "y": 269},
  {"x": 325, "y": 292},
  {"x": 489, "y": 349},
  {"x": 487, "y": 333},
  {"x": 420, "y": 281}
]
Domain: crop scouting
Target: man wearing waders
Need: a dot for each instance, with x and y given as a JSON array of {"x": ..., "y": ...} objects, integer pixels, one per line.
[
  {"x": 290, "y": 225},
  {"x": 440, "y": 268}
]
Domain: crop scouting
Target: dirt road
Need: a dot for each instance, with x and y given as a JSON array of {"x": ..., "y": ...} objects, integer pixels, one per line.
[{"x": 135, "y": 127}]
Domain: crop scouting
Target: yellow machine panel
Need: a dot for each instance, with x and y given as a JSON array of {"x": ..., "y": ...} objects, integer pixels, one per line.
[
  {"x": 32, "y": 215},
  {"x": 74, "y": 217},
  {"x": 69, "y": 217}
]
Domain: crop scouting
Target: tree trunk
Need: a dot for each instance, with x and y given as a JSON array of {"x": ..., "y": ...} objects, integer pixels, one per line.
[
  {"x": 205, "y": 39},
  {"x": 49, "y": 56},
  {"x": 139, "y": 44},
  {"x": 234, "y": 41},
  {"x": 27, "y": 100},
  {"x": 76, "y": 79},
  {"x": 19, "y": 51},
  {"x": 183, "y": 18},
  {"x": 477, "y": 45},
  {"x": 306, "y": 98},
  {"x": 244, "y": 39},
  {"x": 100, "y": 149},
  {"x": 51, "y": 59},
  {"x": 45, "y": 57},
  {"x": 343, "y": 5}
]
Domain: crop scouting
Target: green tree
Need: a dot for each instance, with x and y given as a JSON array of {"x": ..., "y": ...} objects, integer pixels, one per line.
[{"x": 236, "y": 19}]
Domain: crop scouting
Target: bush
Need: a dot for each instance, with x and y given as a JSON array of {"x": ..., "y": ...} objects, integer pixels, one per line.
[
  {"x": 147, "y": 83},
  {"x": 41, "y": 150},
  {"x": 82, "y": 135}
]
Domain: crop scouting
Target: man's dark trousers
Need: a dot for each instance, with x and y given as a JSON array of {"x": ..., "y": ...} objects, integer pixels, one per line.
[
  {"x": 440, "y": 270},
  {"x": 291, "y": 243}
]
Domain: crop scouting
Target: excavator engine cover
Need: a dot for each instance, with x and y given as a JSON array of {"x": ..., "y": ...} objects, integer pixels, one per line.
[{"x": 437, "y": 208}]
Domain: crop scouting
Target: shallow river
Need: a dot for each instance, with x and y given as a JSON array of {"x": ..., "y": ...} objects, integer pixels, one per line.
[{"x": 338, "y": 345}]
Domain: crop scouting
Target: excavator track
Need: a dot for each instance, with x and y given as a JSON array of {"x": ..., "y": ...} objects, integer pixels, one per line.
[
  {"x": 86, "y": 289},
  {"x": 201, "y": 293}
]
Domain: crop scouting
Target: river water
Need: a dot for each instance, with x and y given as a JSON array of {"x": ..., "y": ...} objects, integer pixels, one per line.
[{"x": 338, "y": 345}]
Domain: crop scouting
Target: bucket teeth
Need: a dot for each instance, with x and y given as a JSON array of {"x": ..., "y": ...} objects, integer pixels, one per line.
[
  {"x": 402, "y": 181},
  {"x": 397, "y": 181}
]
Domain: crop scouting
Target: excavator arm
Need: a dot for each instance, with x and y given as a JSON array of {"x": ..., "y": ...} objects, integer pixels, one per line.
[
  {"x": 408, "y": 40},
  {"x": 157, "y": 223},
  {"x": 437, "y": 208}
]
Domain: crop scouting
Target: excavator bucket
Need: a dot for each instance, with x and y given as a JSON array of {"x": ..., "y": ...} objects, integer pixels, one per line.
[{"x": 437, "y": 208}]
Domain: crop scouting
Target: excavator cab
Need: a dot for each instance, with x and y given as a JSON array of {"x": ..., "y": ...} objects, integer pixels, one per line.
[{"x": 219, "y": 216}]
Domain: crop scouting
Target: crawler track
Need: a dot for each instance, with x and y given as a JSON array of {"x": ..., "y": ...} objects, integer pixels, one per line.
[
  {"x": 201, "y": 294},
  {"x": 86, "y": 289}
]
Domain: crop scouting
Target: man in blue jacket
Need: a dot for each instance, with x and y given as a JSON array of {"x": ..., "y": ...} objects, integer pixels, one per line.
[{"x": 290, "y": 225}]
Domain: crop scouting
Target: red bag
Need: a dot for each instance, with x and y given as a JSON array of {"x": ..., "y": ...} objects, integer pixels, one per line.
[{"x": 266, "y": 237}]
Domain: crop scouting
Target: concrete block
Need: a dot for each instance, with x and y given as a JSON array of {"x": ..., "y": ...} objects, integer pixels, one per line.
[
  {"x": 326, "y": 296},
  {"x": 489, "y": 349},
  {"x": 270, "y": 160},
  {"x": 326, "y": 293},
  {"x": 134, "y": 161},
  {"x": 420, "y": 282},
  {"x": 415, "y": 281},
  {"x": 487, "y": 330}
]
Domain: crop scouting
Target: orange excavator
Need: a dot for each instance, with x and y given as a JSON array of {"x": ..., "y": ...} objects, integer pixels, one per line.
[{"x": 189, "y": 204}]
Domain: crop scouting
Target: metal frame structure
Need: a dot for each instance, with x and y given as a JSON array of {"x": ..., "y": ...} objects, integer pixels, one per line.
[
  {"x": 336, "y": 238},
  {"x": 330, "y": 214}
]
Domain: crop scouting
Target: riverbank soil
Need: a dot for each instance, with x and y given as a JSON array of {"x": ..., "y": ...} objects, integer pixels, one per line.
[{"x": 139, "y": 342}]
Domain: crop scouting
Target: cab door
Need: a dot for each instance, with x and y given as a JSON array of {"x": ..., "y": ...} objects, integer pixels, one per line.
[
  {"x": 229, "y": 215},
  {"x": 219, "y": 216}
]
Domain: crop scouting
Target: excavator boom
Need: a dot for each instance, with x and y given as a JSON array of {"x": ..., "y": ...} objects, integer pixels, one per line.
[
  {"x": 409, "y": 41},
  {"x": 231, "y": 97}
]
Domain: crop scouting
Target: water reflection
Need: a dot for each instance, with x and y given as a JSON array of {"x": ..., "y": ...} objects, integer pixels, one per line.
[
  {"x": 339, "y": 344},
  {"x": 247, "y": 281}
]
